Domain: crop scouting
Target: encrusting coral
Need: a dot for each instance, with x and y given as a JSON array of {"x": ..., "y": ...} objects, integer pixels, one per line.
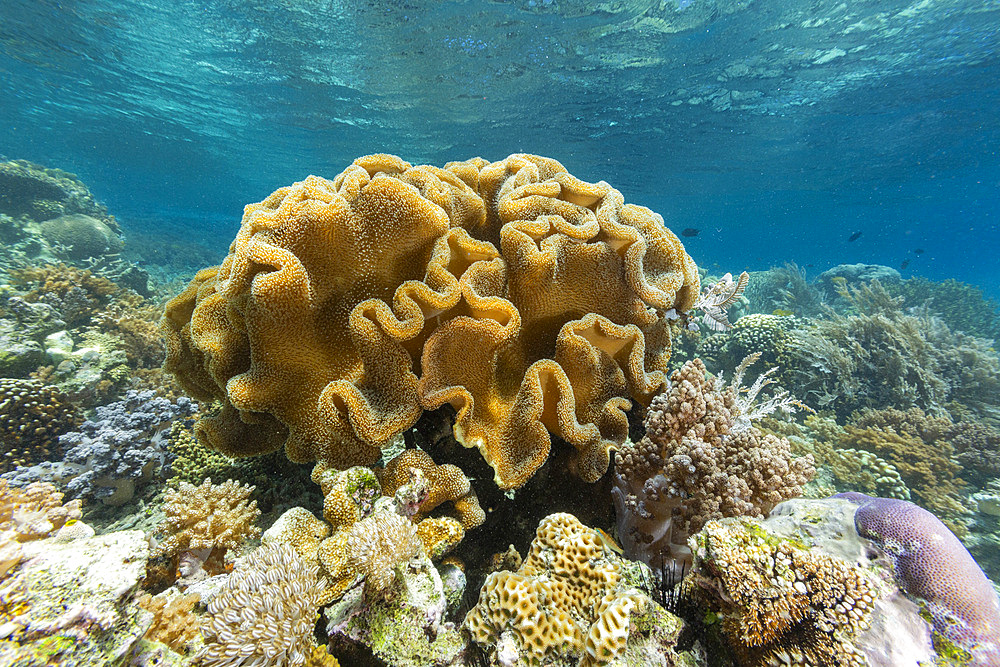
[
  {"x": 566, "y": 599},
  {"x": 34, "y": 512},
  {"x": 701, "y": 459},
  {"x": 780, "y": 603},
  {"x": 174, "y": 622},
  {"x": 556, "y": 285},
  {"x": 933, "y": 566}
]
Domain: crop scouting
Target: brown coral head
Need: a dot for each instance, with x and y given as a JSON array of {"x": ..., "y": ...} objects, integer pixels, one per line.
[{"x": 347, "y": 307}]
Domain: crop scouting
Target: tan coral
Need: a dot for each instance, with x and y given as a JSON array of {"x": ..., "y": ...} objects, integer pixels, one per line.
[
  {"x": 439, "y": 535},
  {"x": 36, "y": 511},
  {"x": 445, "y": 483},
  {"x": 208, "y": 517},
  {"x": 299, "y": 529},
  {"x": 174, "y": 622},
  {"x": 379, "y": 543},
  {"x": 556, "y": 285},
  {"x": 772, "y": 594},
  {"x": 566, "y": 599}
]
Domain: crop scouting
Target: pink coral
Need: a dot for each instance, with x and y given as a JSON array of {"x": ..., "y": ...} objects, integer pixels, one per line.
[{"x": 931, "y": 565}]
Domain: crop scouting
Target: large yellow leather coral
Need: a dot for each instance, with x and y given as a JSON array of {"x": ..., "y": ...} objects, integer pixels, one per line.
[{"x": 346, "y": 307}]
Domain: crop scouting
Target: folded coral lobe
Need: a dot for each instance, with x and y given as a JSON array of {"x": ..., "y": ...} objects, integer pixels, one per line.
[
  {"x": 529, "y": 300},
  {"x": 564, "y": 326}
]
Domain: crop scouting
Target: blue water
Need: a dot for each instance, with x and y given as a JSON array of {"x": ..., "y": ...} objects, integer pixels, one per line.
[{"x": 777, "y": 127}]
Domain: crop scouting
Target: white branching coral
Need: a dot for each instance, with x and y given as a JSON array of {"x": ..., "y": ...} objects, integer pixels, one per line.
[
  {"x": 745, "y": 409},
  {"x": 265, "y": 614}
]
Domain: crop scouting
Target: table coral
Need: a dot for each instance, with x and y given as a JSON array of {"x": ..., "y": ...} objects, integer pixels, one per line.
[
  {"x": 780, "y": 603},
  {"x": 701, "y": 459},
  {"x": 557, "y": 285},
  {"x": 566, "y": 599},
  {"x": 932, "y": 565}
]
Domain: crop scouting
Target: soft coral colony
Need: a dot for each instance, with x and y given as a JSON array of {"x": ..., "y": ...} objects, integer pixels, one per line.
[{"x": 535, "y": 314}]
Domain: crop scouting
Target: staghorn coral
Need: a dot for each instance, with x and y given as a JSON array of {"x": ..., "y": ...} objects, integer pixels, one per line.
[
  {"x": 265, "y": 612},
  {"x": 701, "y": 459},
  {"x": 555, "y": 284},
  {"x": 34, "y": 512},
  {"x": 931, "y": 564},
  {"x": 568, "y": 599},
  {"x": 174, "y": 622},
  {"x": 32, "y": 417},
  {"x": 780, "y": 603},
  {"x": 203, "y": 522},
  {"x": 445, "y": 483}
]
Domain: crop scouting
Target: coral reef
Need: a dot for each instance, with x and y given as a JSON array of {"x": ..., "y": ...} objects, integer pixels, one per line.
[
  {"x": 78, "y": 236},
  {"x": 778, "y": 600},
  {"x": 265, "y": 612},
  {"x": 883, "y": 357},
  {"x": 32, "y": 417},
  {"x": 548, "y": 280},
  {"x": 445, "y": 483},
  {"x": 701, "y": 459},
  {"x": 174, "y": 622},
  {"x": 568, "y": 599},
  {"x": 34, "y": 512},
  {"x": 931, "y": 565},
  {"x": 204, "y": 522},
  {"x": 122, "y": 447},
  {"x": 962, "y": 306}
]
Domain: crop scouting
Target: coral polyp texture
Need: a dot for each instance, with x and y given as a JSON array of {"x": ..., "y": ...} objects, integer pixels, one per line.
[
  {"x": 933, "y": 566},
  {"x": 568, "y": 599},
  {"x": 265, "y": 612},
  {"x": 780, "y": 603},
  {"x": 347, "y": 307},
  {"x": 701, "y": 459}
]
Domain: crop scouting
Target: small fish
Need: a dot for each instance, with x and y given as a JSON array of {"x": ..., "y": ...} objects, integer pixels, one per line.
[
  {"x": 691, "y": 231},
  {"x": 854, "y": 237},
  {"x": 905, "y": 264},
  {"x": 918, "y": 251},
  {"x": 609, "y": 542}
]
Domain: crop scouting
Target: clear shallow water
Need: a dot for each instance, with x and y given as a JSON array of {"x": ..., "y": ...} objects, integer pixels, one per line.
[{"x": 777, "y": 128}]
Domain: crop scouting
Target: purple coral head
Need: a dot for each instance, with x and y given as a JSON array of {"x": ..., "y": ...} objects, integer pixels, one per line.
[{"x": 931, "y": 564}]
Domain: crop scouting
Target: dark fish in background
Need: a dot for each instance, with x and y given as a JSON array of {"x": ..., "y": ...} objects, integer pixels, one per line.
[
  {"x": 854, "y": 237},
  {"x": 690, "y": 231},
  {"x": 905, "y": 264},
  {"x": 918, "y": 251}
]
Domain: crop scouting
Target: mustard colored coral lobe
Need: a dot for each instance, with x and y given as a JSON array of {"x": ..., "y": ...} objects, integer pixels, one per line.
[{"x": 347, "y": 307}]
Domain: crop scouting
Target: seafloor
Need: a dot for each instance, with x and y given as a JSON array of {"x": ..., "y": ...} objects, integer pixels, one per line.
[{"x": 261, "y": 462}]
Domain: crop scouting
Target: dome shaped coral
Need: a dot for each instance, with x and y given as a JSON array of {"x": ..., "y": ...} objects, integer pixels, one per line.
[{"x": 347, "y": 307}]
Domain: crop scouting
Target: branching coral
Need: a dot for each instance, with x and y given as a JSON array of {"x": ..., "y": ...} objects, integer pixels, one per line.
[
  {"x": 557, "y": 287},
  {"x": 882, "y": 357},
  {"x": 701, "y": 459},
  {"x": 203, "y": 522},
  {"x": 780, "y": 603}
]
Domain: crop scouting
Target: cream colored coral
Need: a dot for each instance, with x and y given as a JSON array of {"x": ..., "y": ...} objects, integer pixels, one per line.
[
  {"x": 210, "y": 516},
  {"x": 174, "y": 622},
  {"x": 36, "y": 511},
  {"x": 378, "y": 544},
  {"x": 347, "y": 307},
  {"x": 445, "y": 483},
  {"x": 265, "y": 613},
  {"x": 564, "y": 600}
]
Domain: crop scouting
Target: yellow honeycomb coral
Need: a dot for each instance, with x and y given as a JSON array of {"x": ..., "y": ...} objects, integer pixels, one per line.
[
  {"x": 347, "y": 307},
  {"x": 566, "y": 599}
]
